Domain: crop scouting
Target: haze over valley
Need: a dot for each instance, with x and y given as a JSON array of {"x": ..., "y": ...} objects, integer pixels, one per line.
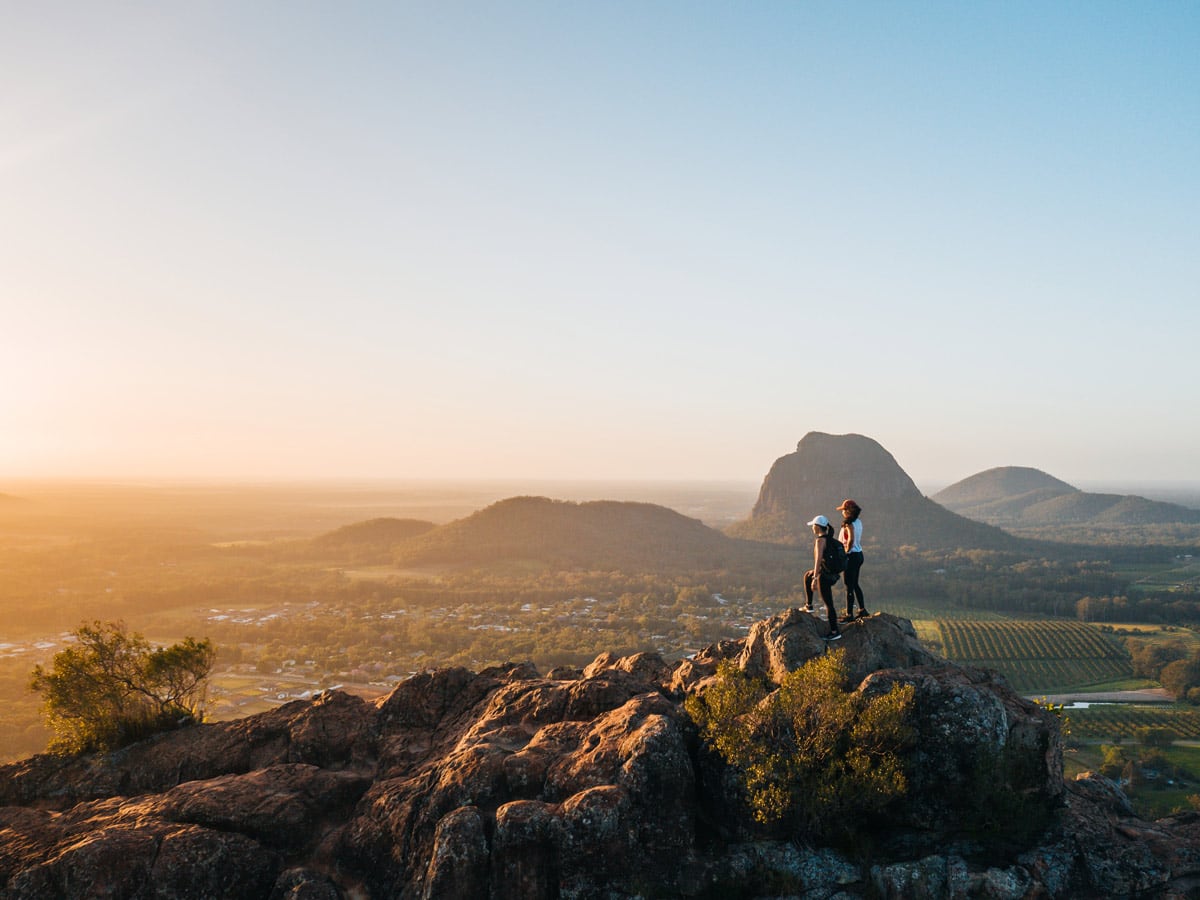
[
  {"x": 414, "y": 415},
  {"x": 360, "y": 585}
]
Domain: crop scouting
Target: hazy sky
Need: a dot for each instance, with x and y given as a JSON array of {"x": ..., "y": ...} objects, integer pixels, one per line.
[{"x": 597, "y": 239}]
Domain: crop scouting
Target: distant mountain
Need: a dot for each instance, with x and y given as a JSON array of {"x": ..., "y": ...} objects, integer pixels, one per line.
[
  {"x": 826, "y": 469},
  {"x": 374, "y": 532},
  {"x": 1002, "y": 484},
  {"x": 597, "y": 534},
  {"x": 1016, "y": 496}
]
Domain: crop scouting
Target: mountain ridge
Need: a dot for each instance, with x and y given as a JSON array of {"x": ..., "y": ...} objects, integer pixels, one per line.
[
  {"x": 1014, "y": 496},
  {"x": 594, "y": 533},
  {"x": 382, "y": 530}
]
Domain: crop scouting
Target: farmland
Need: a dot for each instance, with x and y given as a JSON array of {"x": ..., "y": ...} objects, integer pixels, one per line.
[
  {"x": 1117, "y": 721},
  {"x": 1038, "y": 655}
]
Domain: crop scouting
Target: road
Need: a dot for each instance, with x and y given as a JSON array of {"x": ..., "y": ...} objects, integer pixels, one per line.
[{"x": 1146, "y": 695}]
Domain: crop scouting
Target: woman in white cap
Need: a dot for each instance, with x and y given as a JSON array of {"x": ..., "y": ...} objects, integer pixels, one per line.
[
  {"x": 851, "y": 538},
  {"x": 820, "y": 575}
]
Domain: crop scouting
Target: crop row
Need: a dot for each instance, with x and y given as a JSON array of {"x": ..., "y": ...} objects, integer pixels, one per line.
[
  {"x": 1055, "y": 675},
  {"x": 1124, "y": 721},
  {"x": 969, "y": 641}
]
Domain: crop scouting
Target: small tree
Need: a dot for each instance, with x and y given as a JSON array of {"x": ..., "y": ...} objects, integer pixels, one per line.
[
  {"x": 1149, "y": 736},
  {"x": 1114, "y": 761},
  {"x": 112, "y": 688},
  {"x": 813, "y": 753}
]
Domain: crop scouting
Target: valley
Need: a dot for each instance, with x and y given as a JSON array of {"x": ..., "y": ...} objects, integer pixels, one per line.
[{"x": 315, "y": 587}]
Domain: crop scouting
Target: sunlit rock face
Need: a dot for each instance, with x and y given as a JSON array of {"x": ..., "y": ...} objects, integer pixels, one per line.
[{"x": 592, "y": 784}]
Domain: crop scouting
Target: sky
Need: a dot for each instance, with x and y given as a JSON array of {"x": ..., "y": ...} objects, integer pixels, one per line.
[{"x": 597, "y": 239}]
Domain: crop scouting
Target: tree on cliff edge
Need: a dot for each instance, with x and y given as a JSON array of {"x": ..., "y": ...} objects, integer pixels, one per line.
[{"x": 112, "y": 687}]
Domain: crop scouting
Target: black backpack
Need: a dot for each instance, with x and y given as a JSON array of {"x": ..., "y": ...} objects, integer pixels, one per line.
[{"x": 834, "y": 559}]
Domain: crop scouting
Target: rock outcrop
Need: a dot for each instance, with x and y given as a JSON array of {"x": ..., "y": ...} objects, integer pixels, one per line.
[
  {"x": 592, "y": 784},
  {"x": 826, "y": 468}
]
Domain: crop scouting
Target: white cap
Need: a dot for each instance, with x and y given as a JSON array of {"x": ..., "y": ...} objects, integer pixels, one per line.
[{"x": 820, "y": 520}]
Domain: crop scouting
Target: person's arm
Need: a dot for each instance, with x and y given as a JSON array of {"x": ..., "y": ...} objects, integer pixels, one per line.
[
  {"x": 819, "y": 555},
  {"x": 847, "y": 537}
]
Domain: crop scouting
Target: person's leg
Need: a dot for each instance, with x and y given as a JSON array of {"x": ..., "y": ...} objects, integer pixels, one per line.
[
  {"x": 827, "y": 596},
  {"x": 853, "y": 586},
  {"x": 808, "y": 590},
  {"x": 851, "y": 577}
]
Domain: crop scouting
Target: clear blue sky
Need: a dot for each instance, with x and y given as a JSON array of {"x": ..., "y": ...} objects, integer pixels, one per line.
[{"x": 609, "y": 240}]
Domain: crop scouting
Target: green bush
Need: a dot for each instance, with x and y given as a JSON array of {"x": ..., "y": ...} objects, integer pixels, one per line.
[
  {"x": 812, "y": 755},
  {"x": 112, "y": 688}
]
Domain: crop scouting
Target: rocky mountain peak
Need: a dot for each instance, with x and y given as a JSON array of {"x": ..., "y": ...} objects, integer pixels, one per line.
[
  {"x": 586, "y": 784},
  {"x": 827, "y": 468}
]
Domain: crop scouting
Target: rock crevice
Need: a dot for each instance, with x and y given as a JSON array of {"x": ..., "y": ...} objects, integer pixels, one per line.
[{"x": 590, "y": 784}]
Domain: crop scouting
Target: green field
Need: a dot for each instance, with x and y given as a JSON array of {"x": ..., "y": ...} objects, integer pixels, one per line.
[
  {"x": 1159, "y": 634},
  {"x": 1115, "y": 721},
  {"x": 1182, "y": 575},
  {"x": 1048, "y": 656},
  {"x": 914, "y": 610},
  {"x": 1152, "y": 798}
]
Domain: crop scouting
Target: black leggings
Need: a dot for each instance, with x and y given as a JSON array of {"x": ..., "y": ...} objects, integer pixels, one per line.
[
  {"x": 854, "y": 562},
  {"x": 826, "y": 588}
]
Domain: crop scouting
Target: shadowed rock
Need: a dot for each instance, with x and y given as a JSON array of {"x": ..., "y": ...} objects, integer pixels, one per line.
[
  {"x": 590, "y": 784},
  {"x": 827, "y": 468}
]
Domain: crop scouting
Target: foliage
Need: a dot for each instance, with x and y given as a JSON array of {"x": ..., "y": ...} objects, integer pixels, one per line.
[
  {"x": 1150, "y": 736},
  {"x": 1059, "y": 710},
  {"x": 1114, "y": 762},
  {"x": 813, "y": 755},
  {"x": 111, "y": 687},
  {"x": 1149, "y": 658},
  {"x": 1173, "y": 664}
]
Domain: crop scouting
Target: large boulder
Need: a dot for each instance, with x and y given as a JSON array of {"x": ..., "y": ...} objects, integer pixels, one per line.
[
  {"x": 590, "y": 784},
  {"x": 333, "y": 730},
  {"x": 788, "y": 640},
  {"x": 985, "y": 763}
]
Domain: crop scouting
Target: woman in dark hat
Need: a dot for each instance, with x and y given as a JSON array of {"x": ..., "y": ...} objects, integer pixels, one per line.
[{"x": 851, "y": 537}]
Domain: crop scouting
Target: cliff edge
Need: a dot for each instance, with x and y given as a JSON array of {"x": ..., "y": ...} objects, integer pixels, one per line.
[{"x": 507, "y": 783}]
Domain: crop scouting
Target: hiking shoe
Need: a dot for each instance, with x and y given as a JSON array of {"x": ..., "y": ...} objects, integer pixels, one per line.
[
  {"x": 807, "y": 609},
  {"x": 863, "y": 614},
  {"x": 846, "y": 618},
  {"x": 834, "y": 636}
]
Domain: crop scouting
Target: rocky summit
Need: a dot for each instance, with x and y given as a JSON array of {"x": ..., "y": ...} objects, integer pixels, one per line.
[
  {"x": 828, "y": 468},
  {"x": 507, "y": 783}
]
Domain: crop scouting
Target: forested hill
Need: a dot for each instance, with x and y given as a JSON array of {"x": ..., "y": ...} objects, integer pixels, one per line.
[
  {"x": 375, "y": 532},
  {"x": 596, "y": 534},
  {"x": 1019, "y": 496}
]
